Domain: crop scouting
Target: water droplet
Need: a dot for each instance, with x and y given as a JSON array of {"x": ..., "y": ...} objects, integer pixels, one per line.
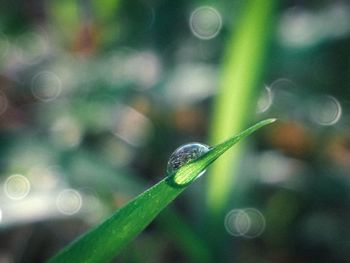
[
  {"x": 17, "y": 187},
  {"x": 185, "y": 154},
  {"x": 205, "y": 22}
]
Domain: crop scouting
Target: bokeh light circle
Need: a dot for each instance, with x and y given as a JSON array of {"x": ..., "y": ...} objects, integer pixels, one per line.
[
  {"x": 286, "y": 99},
  {"x": 325, "y": 110},
  {"x": 46, "y": 86},
  {"x": 16, "y": 187},
  {"x": 257, "y": 223},
  {"x": 237, "y": 222},
  {"x": 205, "y": 22},
  {"x": 265, "y": 100},
  {"x": 69, "y": 202},
  {"x": 248, "y": 223}
]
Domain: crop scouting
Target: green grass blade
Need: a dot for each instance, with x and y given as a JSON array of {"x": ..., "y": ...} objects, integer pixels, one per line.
[
  {"x": 242, "y": 68},
  {"x": 189, "y": 172},
  {"x": 104, "y": 241}
]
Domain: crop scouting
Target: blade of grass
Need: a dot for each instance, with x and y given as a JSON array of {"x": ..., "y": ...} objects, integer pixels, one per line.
[
  {"x": 183, "y": 236},
  {"x": 242, "y": 68},
  {"x": 187, "y": 173},
  {"x": 104, "y": 241}
]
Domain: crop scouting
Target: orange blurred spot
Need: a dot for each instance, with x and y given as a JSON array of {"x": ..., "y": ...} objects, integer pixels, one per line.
[
  {"x": 339, "y": 151},
  {"x": 291, "y": 137},
  {"x": 86, "y": 40},
  {"x": 189, "y": 120}
]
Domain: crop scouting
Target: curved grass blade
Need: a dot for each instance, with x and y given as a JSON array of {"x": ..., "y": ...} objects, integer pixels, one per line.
[
  {"x": 104, "y": 241},
  {"x": 189, "y": 172}
]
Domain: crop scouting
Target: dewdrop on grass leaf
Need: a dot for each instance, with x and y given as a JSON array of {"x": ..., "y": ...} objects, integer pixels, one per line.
[{"x": 185, "y": 154}]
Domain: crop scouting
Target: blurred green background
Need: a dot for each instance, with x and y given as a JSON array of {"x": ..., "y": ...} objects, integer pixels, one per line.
[{"x": 96, "y": 94}]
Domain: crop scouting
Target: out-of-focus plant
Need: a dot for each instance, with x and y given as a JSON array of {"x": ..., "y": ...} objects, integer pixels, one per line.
[{"x": 233, "y": 106}]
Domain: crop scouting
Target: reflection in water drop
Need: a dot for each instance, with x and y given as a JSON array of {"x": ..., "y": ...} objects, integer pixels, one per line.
[
  {"x": 325, "y": 110},
  {"x": 248, "y": 222},
  {"x": 205, "y": 22},
  {"x": 265, "y": 100},
  {"x": 46, "y": 86},
  {"x": 3, "y": 102},
  {"x": 69, "y": 201},
  {"x": 185, "y": 154},
  {"x": 16, "y": 187}
]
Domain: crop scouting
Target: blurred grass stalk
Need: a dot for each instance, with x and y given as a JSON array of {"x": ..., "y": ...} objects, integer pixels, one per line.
[
  {"x": 243, "y": 66},
  {"x": 185, "y": 238}
]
